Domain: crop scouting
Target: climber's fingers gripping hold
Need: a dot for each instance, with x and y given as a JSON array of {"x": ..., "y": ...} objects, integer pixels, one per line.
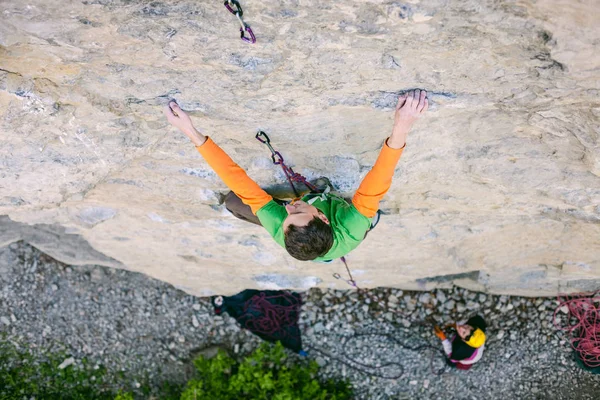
[
  {"x": 401, "y": 101},
  {"x": 423, "y": 104}
]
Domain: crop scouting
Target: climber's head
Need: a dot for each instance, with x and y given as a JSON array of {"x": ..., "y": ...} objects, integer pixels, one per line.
[
  {"x": 464, "y": 331},
  {"x": 473, "y": 332},
  {"x": 307, "y": 231}
]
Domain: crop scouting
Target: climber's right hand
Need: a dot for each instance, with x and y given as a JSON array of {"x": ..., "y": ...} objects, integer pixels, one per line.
[{"x": 411, "y": 105}]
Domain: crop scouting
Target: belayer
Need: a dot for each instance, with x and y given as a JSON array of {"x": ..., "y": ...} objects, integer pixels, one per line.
[
  {"x": 318, "y": 227},
  {"x": 465, "y": 348}
]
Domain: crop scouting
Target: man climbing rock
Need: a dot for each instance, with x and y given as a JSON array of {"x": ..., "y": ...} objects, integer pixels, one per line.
[
  {"x": 466, "y": 347},
  {"x": 318, "y": 227}
]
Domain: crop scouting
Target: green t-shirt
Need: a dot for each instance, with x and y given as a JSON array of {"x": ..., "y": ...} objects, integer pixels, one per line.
[{"x": 349, "y": 226}]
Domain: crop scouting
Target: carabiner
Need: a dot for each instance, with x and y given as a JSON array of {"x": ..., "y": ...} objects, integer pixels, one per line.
[
  {"x": 267, "y": 141},
  {"x": 276, "y": 157},
  {"x": 266, "y": 138},
  {"x": 237, "y": 6},
  {"x": 251, "y": 39},
  {"x": 350, "y": 282}
]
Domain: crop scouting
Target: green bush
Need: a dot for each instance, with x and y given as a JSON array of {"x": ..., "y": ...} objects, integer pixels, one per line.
[
  {"x": 23, "y": 376},
  {"x": 265, "y": 374},
  {"x": 124, "y": 396}
]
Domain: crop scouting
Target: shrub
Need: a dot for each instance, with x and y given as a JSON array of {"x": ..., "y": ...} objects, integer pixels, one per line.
[
  {"x": 265, "y": 374},
  {"x": 124, "y": 396},
  {"x": 24, "y": 376}
]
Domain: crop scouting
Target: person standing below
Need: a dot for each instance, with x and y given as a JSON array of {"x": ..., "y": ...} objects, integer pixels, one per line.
[
  {"x": 466, "y": 346},
  {"x": 317, "y": 227}
]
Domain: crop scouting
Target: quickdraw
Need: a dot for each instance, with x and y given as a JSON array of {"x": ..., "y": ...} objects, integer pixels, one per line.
[
  {"x": 238, "y": 12},
  {"x": 350, "y": 281},
  {"x": 288, "y": 171}
]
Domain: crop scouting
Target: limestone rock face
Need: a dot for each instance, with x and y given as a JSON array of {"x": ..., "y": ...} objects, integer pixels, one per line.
[{"x": 498, "y": 188}]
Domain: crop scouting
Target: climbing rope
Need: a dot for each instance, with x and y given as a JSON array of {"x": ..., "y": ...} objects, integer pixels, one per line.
[
  {"x": 288, "y": 171},
  {"x": 582, "y": 322},
  {"x": 270, "y": 319},
  {"x": 244, "y": 27},
  {"x": 371, "y": 370}
]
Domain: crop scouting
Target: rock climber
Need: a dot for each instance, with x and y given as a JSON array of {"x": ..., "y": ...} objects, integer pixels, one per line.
[
  {"x": 466, "y": 346},
  {"x": 317, "y": 227}
]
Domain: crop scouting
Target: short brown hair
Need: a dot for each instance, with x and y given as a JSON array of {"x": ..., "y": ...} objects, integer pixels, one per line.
[{"x": 309, "y": 242}]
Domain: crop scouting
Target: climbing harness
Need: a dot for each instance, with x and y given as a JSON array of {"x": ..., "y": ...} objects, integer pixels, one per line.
[
  {"x": 238, "y": 12},
  {"x": 288, "y": 171},
  {"x": 582, "y": 322}
]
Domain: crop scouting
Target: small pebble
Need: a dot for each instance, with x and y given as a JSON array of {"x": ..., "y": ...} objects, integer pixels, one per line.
[{"x": 66, "y": 363}]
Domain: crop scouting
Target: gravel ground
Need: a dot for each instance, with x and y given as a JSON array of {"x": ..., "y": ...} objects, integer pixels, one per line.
[{"x": 146, "y": 329}]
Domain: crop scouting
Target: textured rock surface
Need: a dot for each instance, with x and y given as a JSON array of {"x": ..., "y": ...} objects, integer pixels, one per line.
[{"x": 498, "y": 190}]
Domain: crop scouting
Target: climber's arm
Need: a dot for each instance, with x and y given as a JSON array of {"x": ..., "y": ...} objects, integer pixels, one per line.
[
  {"x": 232, "y": 175},
  {"x": 378, "y": 181}
]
